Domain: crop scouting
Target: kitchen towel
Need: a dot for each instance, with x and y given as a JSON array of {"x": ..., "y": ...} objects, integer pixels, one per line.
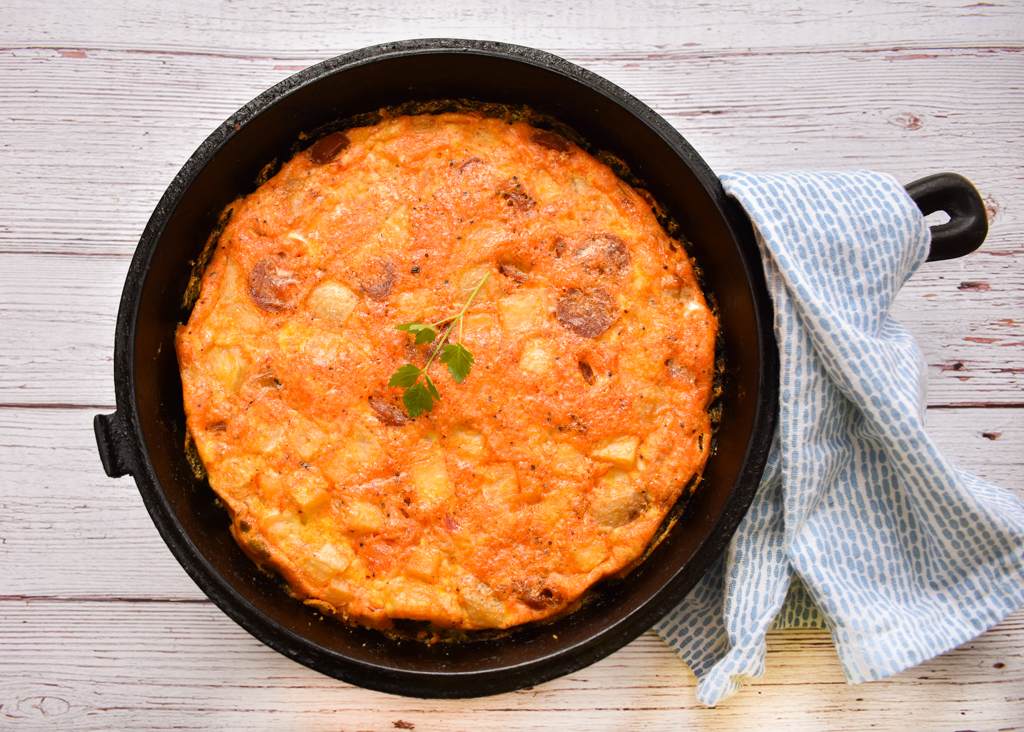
[{"x": 859, "y": 523}]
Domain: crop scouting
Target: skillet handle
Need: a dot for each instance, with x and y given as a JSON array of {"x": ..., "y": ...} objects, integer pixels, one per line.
[
  {"x": 968, "y": 220},
  {"x": 112, "y": 441}
]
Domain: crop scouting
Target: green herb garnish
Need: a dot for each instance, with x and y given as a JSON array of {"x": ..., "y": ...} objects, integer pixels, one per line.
[{"x": 420, "y": 395}]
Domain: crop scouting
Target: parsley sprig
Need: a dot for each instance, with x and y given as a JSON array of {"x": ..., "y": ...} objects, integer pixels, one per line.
[{"x": 419, "y": 395}]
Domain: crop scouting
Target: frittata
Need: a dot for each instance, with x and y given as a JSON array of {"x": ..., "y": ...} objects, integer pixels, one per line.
[{"x": 551, "y": 466}]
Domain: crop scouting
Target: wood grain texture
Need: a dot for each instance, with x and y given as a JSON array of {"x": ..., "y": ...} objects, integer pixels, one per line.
[
  {"x": 309, "y": 27},
  {"x": 100, "y": 628},
  {"x": 187, "y": 666},
  {"x": 132, "y": 119}
]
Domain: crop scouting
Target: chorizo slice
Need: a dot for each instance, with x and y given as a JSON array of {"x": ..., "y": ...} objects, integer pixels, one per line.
[
  {"x": 327, "y": 148},
  {"x": 550, "y": 140},
  {"x": 514, "y": 273},
  {"x": 387, "y": 412},
  {"x": 558, "y": 247},
  {"x": 536, "y": 594},
  {"x": 468, "y": 163},
  {"x": 271, "y": 286},
  {"x": 606, "y": 253},
  {"x": 586, "y": 312},
  {"x": 378, "y": 279},
  {"x": 515, "y": 196}
]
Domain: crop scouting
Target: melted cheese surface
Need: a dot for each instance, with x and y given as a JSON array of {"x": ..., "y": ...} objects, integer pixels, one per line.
[{"x": 551, "y": 466}]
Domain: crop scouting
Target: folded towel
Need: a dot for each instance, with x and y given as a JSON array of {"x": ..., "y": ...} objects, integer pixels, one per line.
[{"x": 859, "y": 524}]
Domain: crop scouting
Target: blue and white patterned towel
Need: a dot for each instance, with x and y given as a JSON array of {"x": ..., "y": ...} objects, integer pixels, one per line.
[{"x": 860, "y": 524}]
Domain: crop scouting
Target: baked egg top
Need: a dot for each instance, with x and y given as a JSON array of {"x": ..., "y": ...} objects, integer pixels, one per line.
[{"x": 583, "y": 420}]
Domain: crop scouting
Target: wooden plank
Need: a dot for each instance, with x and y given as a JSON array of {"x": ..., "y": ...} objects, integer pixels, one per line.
[
  {"x": 308, "y": 26},
  {"x": 133, "y": 119},
  {"x": 117, "y": 665},
  {"x": 65, "y": 528},
  {"x": 57, "y": 328},
  {"x": 963, "y": 310}
]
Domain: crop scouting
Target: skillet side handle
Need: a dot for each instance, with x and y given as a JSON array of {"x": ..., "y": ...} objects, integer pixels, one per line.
[
  {"x": 968, "y": 220},
  {"x": 112, "y": 441}
]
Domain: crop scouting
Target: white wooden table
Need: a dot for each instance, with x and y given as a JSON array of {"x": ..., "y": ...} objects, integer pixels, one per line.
[{"x": 101, "y": 103}]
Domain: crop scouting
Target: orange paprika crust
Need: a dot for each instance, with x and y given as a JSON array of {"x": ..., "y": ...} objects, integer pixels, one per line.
[{"x": 551, "y": 466}]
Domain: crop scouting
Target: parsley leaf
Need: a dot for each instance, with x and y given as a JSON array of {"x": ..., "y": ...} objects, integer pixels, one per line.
[
  {"x": 458, "y": 359},
  {"x": 420, "y": 396},
  {"x": 405, "y": 376},
  {"x": 424, "y": 333},
  {"x": 431, "y": 388},
  {"x": 417, "y": 400}
]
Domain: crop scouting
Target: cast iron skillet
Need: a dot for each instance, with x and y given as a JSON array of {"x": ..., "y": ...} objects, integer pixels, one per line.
[{"x": 145, "y": 436}]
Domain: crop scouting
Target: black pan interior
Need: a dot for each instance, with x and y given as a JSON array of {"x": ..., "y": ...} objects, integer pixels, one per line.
[{"x": 228, "y": 164}]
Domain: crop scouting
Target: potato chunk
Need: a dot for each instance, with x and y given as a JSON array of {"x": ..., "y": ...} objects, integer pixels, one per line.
[
  {"x": 394, "y": 230},
  {"x": 359, "y": 450},
  {"x": 615, "y": 501},
  {"x": 569, "y": 462},
  {"x": 482, "y": 607},
  {"x": 430, "y": 478},
  {"x": 308, "y": 490},
  {"x": 339, "y": 593},
  {"x": 333, "y": 301},
  {"x": 500, "y": 483},
  {"x": 589, "y": 556},
  {"x": 522, "y": 312},
  {"x": 234, "y": 324},
  {"x": 467, "y": 441},
  {"x": 409, "y": 600},
  {"x": 234, "y": 473},
  {"x": 424, "y": 563},
  {"x": 229, "y": 367},
  {"x": 364, "y": 517},
  {"x": 283, "y": 530},
  {"x": 329, "y": 560},
  {"x": 536, "y": 357},
  {"x": 337, "y": 555},
  {"x": 306, "y": 437},
  {"x": 471, "y": 276},
  {"x": 410, "y": 306},
  {"x": 620, "y": 452}
]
